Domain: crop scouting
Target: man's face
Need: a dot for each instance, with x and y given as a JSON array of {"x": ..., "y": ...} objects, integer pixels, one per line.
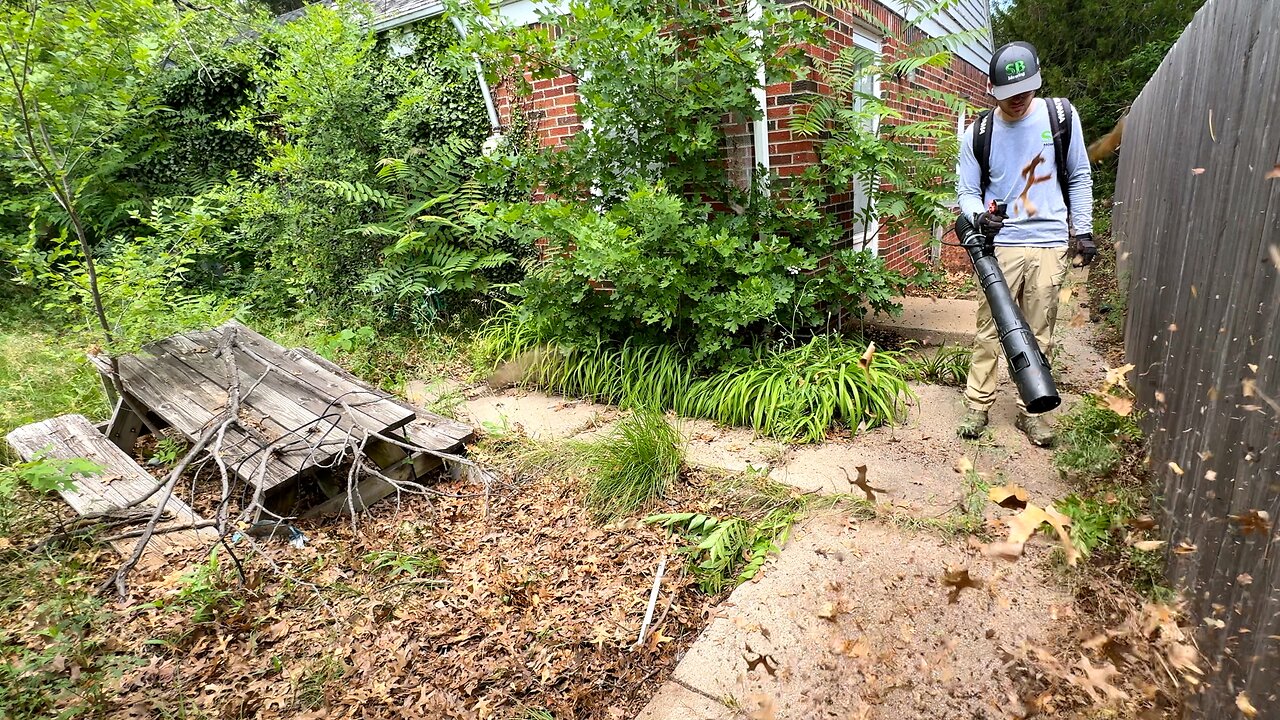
[{"x": 1018, "y": 105}]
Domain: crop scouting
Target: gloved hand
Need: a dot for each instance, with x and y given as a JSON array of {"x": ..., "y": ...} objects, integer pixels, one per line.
[
  {"x": 1086, "y": 250},
  {"x": 989, "y": 223}
]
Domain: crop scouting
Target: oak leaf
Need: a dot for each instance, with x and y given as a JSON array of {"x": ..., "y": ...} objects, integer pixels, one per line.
[
  {"x": 1246, "y": 707},
  {"x": 1118, "y": 405},
  {"x": 1254, "y": 521},
  {"x": 957, "y": 578},
  {"x": 1011, "y": 496}
]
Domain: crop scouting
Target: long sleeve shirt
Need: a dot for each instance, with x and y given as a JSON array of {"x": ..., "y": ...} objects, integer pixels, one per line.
[{"x": 1023, "y": 175}]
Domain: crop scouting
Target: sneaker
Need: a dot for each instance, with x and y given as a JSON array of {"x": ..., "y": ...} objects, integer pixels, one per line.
[
  {"x": 1037, "y": 429},
  {"x": 974, "y": 422}
]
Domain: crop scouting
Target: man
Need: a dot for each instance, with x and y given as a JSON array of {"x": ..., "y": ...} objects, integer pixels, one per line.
[{"x": 1028, "y": 153}]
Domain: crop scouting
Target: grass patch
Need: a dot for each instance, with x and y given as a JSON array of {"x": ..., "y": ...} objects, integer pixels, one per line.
[
  {"x": 1093, "y": 440},
  {"x": 633, "y": 465},
  {"x": 800, "y": 394},
  {"x": 43, "y": 371},
  {"x": 947, "y": 365}
]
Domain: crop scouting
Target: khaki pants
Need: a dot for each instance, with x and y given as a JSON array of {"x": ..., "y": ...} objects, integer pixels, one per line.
[{"x": 1034, "y": 275}]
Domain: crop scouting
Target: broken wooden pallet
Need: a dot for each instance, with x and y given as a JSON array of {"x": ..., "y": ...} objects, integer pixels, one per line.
[{"x": 122, "y": 480}]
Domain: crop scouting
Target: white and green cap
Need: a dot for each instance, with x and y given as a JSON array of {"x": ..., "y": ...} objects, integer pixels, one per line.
[{"x": 1015, "y": 69}]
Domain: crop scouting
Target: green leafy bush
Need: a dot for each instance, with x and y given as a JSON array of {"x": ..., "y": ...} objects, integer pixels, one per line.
[
  {"x": 946, "y": 365},
  {"x": 1092, "y": 439}
]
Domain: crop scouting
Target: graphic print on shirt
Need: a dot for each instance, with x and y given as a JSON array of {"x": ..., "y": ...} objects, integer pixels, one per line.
[{"x": 1029, "y": 174}]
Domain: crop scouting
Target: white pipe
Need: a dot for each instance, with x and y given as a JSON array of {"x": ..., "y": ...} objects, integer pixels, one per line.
[
  {"x": 489, "y": 105},
  {"x": 653, "y": 599},
  {"x": 761, "y": 135}
]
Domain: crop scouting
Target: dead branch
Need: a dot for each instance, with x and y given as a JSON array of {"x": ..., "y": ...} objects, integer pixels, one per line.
[{"x": 151, "y": 532}]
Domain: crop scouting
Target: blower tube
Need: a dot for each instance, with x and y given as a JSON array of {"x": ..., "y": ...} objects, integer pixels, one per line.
[{"x": 1028, "y": 367}]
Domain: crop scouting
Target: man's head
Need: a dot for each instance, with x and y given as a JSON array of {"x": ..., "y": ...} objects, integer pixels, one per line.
[{"x": 1015, "y": 77}]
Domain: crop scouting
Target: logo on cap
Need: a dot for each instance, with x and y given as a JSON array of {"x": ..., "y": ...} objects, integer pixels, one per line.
[{"x": 1015, "y": 69}]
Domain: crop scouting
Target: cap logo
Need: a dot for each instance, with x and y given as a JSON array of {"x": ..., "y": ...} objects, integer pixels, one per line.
[{"x": 1015, "y": 69}]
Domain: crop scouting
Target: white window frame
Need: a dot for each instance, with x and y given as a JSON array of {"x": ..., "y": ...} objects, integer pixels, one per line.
[{"x": 864, "y": 39}]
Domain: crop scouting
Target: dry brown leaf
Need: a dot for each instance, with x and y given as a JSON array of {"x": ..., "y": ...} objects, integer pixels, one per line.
[
  {"x": 957, "y": 578},
  {"x": 764, "y": 708},
  {"x": 1246, "y": 707},
  {"x": 1008, "y": 551},
  {"x": 1273, "y": 173},
  {"x": 1118, "y": 405},
  {"x": 1011, "y": 496},
  {"x": 862, "y": 484},
  {"x": 1159, "y": 396},
  {"x": 1244, "y": 579},
  {"x": 1274, "y": 252},
  {"x": 1176, "y": 468},
  {"x": 1197, "y": 171},
  {"x": 1210, "y": 475},
  {"x": 1144, "y": 522},
  {"x": 1206, "y": 456},
  {"x": 1079, "y": 319},
  {"x": 828, "y": 611},
  {"x": 1149, "y": 545},
  {"x": 1060, "y": 523},
  {"x": 1023, "y": 525},
  {"x": 1116, "y": 376},
  {"x": 1253, "y": 521},
  {"x": 1099, "y": 678},
  {"x": 1184, "y": 658},
  {"x": 964, "y": 466},
  {"x": 760, "y": 660},
  {"x": 864, "y": 362},
  {"x": 1249, "y": 387},
  {"x": 1184, "y": 548}
]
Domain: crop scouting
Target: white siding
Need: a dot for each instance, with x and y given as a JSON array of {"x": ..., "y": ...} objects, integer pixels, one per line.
[{"x": 960, "y": 16}]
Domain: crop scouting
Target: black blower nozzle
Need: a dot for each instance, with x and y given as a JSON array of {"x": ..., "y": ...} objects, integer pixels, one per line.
[{"x": 1028, "y": 367}]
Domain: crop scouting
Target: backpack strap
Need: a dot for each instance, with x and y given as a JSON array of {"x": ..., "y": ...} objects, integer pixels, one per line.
[
  {"x": 982, "y": 148},
  {"x": 1060, "y": 126}
]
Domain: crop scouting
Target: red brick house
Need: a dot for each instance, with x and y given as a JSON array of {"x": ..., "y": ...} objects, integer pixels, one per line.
[{"x": 769, "y": 144}]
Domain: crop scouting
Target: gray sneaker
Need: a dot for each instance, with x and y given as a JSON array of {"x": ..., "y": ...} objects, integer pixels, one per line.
[
  {"x": 1037, "y": 429},
  {"x": 973, "y": 424}
]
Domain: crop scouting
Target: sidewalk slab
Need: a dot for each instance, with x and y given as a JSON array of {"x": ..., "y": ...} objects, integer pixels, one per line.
[
  {"x": 933, "y": 321},
  {"x": 676, "y": 702}
]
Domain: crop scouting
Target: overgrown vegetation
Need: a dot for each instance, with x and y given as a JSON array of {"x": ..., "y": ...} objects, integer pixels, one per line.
[
  {"x": 632, "y": 465},
  {"x": 1093, "y": 440},
  {"x": 798, "y": 394},
  {"x": 945, "y": 365}
]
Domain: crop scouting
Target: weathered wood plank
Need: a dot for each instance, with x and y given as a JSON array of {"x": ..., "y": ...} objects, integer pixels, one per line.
[{"x": 121, "y": 482}]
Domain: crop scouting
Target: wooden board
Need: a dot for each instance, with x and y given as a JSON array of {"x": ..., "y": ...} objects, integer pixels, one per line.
[{"x": 121, "y": 482}]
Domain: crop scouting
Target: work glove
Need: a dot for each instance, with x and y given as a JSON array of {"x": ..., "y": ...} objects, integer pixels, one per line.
[
  {"x": 1086, "y": 250},
  {"x": 989, "y": 223}
]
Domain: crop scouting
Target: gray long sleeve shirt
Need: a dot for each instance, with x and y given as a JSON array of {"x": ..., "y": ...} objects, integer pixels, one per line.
[{"x": 1024, "y": 176}]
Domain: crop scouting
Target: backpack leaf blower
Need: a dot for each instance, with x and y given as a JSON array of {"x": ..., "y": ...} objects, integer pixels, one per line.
[{"x": 1028, "y": 366}]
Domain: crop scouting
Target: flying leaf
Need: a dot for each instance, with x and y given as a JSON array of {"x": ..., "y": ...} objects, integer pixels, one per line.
[
  {"x": 1011, "y": 496},
  {"x": 1079, "y": 319},
  {"x": 1254, "y": 521},
  {"x": 761, "y": 660},
  {"x": 1184, "y": 548},
  {"x": 1023, "y": 525},
  {"x": 1244, "y": 579},
  {"x": 1118, "y": 405},
  {"x": 862, "y": 484},
  {"x": 1060, "y": 523},
  {"x": 864, "y": 362},
  {"x": 1099, "y": 678},
  {"x": 1115, "y": 376},
  {"x": 1197, "y": 171},
  {"x": 1246, "y": 707},
  {"x": 1176, "y": 468},
  {"x": 1273, "y": 173},
  {"x": 1145, "y": 522},
  {"x": 957, "y": 578},
  {"x": 1148, "y": 545},
  {"x": 1008, "y": 551}
]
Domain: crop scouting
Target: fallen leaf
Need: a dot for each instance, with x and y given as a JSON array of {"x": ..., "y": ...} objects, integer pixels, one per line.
[
  {"x": 1206, "y": 456},
  {"x": 1184, "y": 548},
  {"x": 1214, "y": 623},
  {"x": 1115, "y": 376},
  {"x": 1197, "y": 171},
  {"x": 1210, "y": 475},
  {"x": 1145, "y": 522},
  {"x": 761, "y": 660},
  {"x": 1273, "y": 173},
  {"x": 828, "y": 611},
  {"x": 1159, "y": 396},
  {"x": 1176, "y": 468},
  {"x": 864, "y": 362},
  {"x": 1148, "y": 545},
  {"x": 957, "y": 578},
  {"x": 1249, "y": 387},
  {"x": 1023, "y": 525},
  {"x": 964, "y": 466},
  {"x": 1274, "y": 252},
  {"x": 1079, "y": 319},
  {"x": 1011, "y": 496},
  {"x": 1254, "y": 521},
  {"x": 1246, "y": 707},
  {"x": 764, "y": 708},
  {"x": 1244, "y": 579},
  {"x": 1118, "y": 405},
  {"x": 1185, "y": 658}
]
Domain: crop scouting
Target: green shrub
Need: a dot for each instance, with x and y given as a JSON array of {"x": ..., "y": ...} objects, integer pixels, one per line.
[
  {"x": 1092, "y": 439},
  {"x": 798, "y": 394},
  {"x": 633, "y": 465},
  {"x": 947, "y": 365}
]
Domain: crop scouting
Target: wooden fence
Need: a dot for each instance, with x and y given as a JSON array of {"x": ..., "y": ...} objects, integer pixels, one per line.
[{"x": 1197, "y": 226}]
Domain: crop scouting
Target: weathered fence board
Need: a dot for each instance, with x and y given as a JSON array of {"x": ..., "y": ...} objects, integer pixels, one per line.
[{"x": 1197, "y": 226}]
